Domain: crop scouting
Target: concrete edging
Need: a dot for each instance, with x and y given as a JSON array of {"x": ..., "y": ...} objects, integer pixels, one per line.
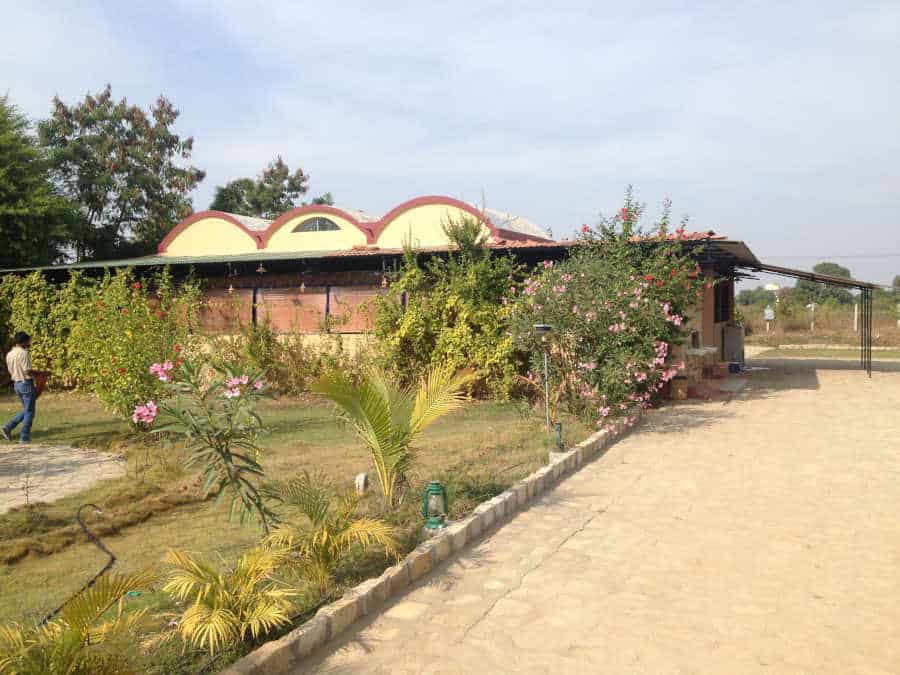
[{"x": 279, "y": 656}]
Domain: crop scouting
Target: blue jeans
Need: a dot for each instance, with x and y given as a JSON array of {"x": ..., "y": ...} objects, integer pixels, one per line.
[{"x": 27, "y": 396}]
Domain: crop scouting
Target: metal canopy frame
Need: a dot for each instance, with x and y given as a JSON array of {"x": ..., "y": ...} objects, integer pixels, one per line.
[{"x": 865, "y": 288}]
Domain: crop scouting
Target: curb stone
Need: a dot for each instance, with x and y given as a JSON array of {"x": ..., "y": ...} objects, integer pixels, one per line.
[{"x": 280, "y": 656}]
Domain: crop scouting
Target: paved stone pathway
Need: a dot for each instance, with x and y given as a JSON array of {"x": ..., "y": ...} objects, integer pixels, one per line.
[
  {"x": 50, "y": 472},
  {"x": 759, "y": 534}
]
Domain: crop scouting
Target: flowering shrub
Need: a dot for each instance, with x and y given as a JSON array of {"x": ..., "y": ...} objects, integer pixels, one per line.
[
  {"x": 291, "y": 362},
  {"x": 121, "y": 330},
  {"x": 617, "y": 305},
  {"x": 454, "y": 312},
  {"x": 46, "y": 312},
  {"x": 214, "y": 410}
]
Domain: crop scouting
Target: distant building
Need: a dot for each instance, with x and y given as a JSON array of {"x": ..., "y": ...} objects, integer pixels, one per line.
[{"x": 317, "y": 268}]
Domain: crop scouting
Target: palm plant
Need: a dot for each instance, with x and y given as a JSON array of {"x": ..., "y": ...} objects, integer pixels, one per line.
[
  {"x": 388, "y": 417},
  {"x": 327, "y": 530},
  {"x": 228, "y": 605},
  {"x": 81, "y": 641}
]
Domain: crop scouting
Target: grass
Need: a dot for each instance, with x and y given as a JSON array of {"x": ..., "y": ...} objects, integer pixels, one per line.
[
  {"x": 479, "y": 451},
  {"x": 840, "y": 354}
]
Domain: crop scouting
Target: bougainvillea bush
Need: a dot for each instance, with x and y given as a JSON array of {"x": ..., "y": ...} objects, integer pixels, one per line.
[
  {"x": 123, "y": 327},
  {"x": 617, "y": 306}
]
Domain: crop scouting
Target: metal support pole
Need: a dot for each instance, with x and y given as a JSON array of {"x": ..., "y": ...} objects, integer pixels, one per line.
[
  {"x": 546, "y": 391},
  {"x": 856, "y": 317}
]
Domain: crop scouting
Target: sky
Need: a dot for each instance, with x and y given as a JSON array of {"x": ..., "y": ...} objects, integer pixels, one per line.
[{"x": 774, "y": 123}]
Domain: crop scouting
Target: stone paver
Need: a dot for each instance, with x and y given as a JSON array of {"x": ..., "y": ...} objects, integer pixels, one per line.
[
  {"x": 756, "y": 534},
  {"x": 50, "y": 472}
]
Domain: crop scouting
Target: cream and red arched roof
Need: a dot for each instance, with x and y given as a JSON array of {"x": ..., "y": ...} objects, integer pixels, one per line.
[{"x": 418, "y": 221}]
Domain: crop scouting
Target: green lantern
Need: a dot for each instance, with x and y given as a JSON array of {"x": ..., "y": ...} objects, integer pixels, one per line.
[
  {"x": 434, "y": 506},
  {"x": 557, "y": 431}
]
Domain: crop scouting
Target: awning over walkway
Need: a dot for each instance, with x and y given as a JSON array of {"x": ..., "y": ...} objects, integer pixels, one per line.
[{"x": 865, "y": 288}]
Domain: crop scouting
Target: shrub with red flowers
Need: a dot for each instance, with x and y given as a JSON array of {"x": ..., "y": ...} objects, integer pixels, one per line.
[
  {"x": 122, "y": 327},
  {"x": 214, "y": 411},
  {"x": 617, "y": 305}
]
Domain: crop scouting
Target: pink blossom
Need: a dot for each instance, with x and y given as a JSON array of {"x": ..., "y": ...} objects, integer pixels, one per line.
[
  {"x": 162, "y": 370},
  {"x": 604, "y": 411},
  {"x": 633, "y": 305},
  {"x": 259, "y": 384},
  {"x": 567, "y": 278},
  {"x": 232, "y": 393},
  {"x": 145, "y": 413},
  {"x": 588, "y": 365},
  {"x": 548, "y": 264},
  {"x": 590, "y": 316}
]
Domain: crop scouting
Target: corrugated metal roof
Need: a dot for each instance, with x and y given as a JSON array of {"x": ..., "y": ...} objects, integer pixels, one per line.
[
  {"x": 508, "y": 221},
  {"x": 251, "y": 223}
]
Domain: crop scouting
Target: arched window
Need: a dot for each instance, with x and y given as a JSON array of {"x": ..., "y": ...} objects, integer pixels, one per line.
[{"x": 317, "y": 224}]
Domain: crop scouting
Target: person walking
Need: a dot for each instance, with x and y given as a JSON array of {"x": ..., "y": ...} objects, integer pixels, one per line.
[{"x": 18, "y": 362}]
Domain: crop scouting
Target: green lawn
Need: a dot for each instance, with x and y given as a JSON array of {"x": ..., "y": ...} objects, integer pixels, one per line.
[{"x": 479, "y": 451}]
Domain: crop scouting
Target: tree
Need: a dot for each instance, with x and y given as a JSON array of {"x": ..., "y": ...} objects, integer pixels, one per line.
[
  {"x": 35, "y": 221},
  {"x": 896, "y": 284},
  {"x": 811, "y": 291},
  {"x": 323, "y": 200},
  {"x": 121, "y": 165},
  {"x": 757, "y": 296},
  {"x": 275, "y": 191}
]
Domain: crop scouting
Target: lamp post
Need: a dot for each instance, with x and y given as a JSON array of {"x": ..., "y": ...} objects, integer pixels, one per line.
[{"x": 542, "y": 330}]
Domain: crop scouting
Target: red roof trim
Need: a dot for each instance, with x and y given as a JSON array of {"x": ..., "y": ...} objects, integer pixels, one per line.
[
  {"x": 190, "y": 220},
  {"x": 374, "y": 229}
]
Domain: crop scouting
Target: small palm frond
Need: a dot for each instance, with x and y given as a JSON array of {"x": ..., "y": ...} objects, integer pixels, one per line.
[
  {"x": 267, "y": 613},
  {"x": 311, "y": 495},
  {"x": 440, "y": 393},
  {"x": 364, "y": 406},
  {"x": 191, "y": 576},
  {"x": 86, "y": 608},
  {"x": 367, "y": 532},
  {"x": 209, "y": 628}
]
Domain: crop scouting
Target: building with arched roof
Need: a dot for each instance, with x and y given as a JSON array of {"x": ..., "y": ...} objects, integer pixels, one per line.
[{"x": 419, "y": 223}]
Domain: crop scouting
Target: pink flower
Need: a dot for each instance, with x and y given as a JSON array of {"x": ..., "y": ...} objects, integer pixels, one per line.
[
  {"x": 588, "y": 365},
  {"x": 145, "y": 413},
  {"x": 259, "y": 384},
  {"x": 162, "y": 370},
  {"x": 604, "y": 411},
  {"x": 548, "y": 264},
  {"x": 244, "y": 379},
  {"x": 232, "y": 393},
  {"x": 590, "y": 316}
]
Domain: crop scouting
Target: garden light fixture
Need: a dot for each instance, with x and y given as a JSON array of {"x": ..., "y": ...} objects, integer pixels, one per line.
[
  {"x": 557, "y": 431},
  {"x": 434, "y": 506},
  {"x": 542, "y": 330}
]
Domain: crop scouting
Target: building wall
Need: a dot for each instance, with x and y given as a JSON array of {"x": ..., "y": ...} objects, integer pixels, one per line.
[
  {"x": 211, "y": 236},
  {"x": 284, "y": 239},
  {"x": 421, "y": 226}
]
